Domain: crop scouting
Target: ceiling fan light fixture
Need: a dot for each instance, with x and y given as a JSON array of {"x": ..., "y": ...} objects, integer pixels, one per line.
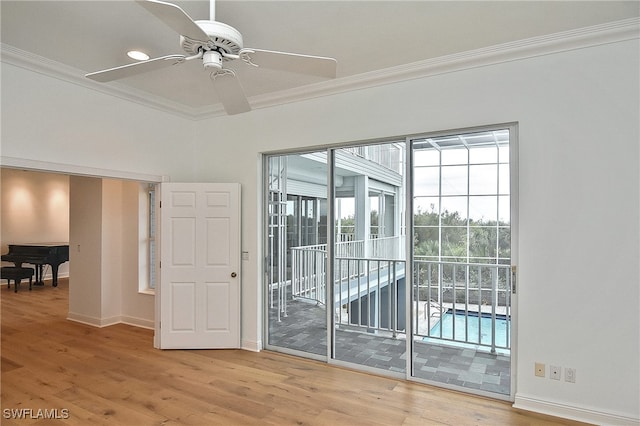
[{"x": 137, "y": 55}]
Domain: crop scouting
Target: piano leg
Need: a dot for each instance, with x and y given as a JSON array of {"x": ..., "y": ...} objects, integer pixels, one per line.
[
  {"x": 39, "y": 278},
  {"x": 54, "y": 272}
]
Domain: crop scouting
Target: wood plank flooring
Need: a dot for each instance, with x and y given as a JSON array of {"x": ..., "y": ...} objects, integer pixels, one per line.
[{"x": 59, "y": 372}]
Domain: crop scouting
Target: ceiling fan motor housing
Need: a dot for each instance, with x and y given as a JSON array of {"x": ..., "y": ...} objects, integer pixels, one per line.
[
  {"x": 212, "y": 59},
  {"x": 223, "y": 38}
]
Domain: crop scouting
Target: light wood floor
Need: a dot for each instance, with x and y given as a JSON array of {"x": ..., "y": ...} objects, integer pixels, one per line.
[{"x": 114, "y": 376}]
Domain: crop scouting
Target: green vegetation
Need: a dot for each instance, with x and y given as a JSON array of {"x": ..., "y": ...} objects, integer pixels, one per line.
[{"x": 482, "y": 241}]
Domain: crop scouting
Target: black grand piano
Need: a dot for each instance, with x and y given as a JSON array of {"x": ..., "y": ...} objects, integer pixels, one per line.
[{"x": 39, "y": 254}]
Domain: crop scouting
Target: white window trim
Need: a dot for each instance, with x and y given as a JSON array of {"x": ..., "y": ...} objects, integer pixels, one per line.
[{"x": 144, "y": 240}]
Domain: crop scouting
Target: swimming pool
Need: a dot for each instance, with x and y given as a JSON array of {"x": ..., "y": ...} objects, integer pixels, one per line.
[{"x": 478, "y": 328}]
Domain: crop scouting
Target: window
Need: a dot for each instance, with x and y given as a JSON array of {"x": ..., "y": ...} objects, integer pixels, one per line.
[
  {"x": 147, "y": 238},
  {"x": 151, "y": 241}
]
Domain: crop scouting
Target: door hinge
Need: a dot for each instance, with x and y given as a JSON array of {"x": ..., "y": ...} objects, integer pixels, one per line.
[{"x": 514, "y": 277}]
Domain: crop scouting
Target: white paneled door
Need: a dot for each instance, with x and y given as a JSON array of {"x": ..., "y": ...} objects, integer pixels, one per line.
[{"x": 199, "y": 289}]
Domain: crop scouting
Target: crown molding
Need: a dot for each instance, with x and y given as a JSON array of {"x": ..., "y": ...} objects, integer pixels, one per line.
[
  {"x": 613, "y": 32},
  {"x": 41, "y": 65},
  {"x": 581, "y": 38}
]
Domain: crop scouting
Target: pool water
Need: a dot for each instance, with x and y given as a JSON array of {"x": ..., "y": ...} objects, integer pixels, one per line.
[{"x": 478, "y": 328}]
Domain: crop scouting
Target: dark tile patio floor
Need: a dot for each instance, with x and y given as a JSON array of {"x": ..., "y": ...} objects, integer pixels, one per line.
[{"x": 303, "y": 329}]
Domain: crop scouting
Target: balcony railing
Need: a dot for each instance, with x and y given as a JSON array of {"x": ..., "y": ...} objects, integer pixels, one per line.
[
  {"x": 466, "y": 303},
  {"x": 388, "y": 155},
  {"x": 463, "y": 302},
  {"x": 308, "y": 263}
]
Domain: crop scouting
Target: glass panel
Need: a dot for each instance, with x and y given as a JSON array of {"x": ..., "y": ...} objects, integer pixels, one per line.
[
  {"x": 322, "y": 221},
  {"x": 426, "y": 157},
  {"x": 483, "y": 208},
  {"x": 369, "y": 271},
  {"x": 483, "y": 244},
  {"x": 295, "y": 287},
  {"x": 504, "y": 186},
  {"x": 345, "y": 222},
  {"x": 454, "y": 242},
  {"x": 374, "y": 220},
  {"x": 504, "y": 209},
  {"x": 426, "y": 181},
  {"x": 483, "y": 154},
  {"x": 454, "y": 211},
  {"x": 504, "y": 244},
  {"x": 461, "y": 269},
  {"x": 483, "y": 179},
  {"x": 426, "y": 220},
  {"x": 503, "y": 154},
  {"x": 455, "y": 156},
  {"x": 454, "y": 180},
  {"x": 427, "y": 205},
  {"x": 426, "y": 240}
]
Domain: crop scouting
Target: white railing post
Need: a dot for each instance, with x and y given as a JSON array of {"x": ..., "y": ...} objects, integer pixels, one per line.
[{"x": 494, "y": 303}]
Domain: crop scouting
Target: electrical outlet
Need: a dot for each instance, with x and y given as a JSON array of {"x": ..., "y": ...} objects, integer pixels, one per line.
[
  {"x": 570, "y": 375},
  {"x": 540, "y": 369},
  {"x": 554, "y": 372}
]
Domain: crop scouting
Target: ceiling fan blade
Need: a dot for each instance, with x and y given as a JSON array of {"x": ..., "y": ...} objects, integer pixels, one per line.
[
  {"x": 175, "y": 18},
  {"x": 304, "y": 64},
  {"x": 230, "y": 92},
  {"x": 136, "y": 68}
]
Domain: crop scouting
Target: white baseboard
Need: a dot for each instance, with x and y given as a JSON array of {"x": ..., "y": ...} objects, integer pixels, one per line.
[
  {"x": 84, "y": 319},
  {"x": 251, "y": 345},
  {"x": 106, "y": 322},
  {"x": 571, "y": 412},
  {"x": 138, "y": 322}
]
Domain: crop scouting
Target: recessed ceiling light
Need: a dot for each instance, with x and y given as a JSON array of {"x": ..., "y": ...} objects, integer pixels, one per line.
[{"x": 137, "y": 55}]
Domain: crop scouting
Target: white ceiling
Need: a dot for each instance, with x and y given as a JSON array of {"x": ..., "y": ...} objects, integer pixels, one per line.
[{"x": 362, "y": 35}]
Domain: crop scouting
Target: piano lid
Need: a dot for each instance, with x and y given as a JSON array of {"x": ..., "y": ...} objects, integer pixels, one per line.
[{"x": 40, "y": 244}]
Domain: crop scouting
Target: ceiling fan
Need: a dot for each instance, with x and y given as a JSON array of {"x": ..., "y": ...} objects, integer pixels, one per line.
[{"x": 216, "y": 43}]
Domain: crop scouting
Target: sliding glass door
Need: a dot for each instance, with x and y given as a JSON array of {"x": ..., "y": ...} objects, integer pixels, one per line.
[
  {"x": 462, "y": 259},
  {"x": 343, "y": 283},
  {"x": 369, "y": 285},
  {"x": 296, "y": 227}
]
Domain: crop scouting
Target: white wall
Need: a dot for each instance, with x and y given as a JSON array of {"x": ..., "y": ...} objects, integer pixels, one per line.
[
  {"x": 578, "y": 112},
  {"x": 50, "y": 120},
  {"x": 34, "y": 209},
  {"x": 85, "y": 249},
  {"x": 111, "y": 276}
]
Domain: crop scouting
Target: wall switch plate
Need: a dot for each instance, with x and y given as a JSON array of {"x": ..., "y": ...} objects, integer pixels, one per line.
[
  {"x": 540, "y": 369},
  {"x": 570, "y": 375},
  {"x": 554, "y": 372}
]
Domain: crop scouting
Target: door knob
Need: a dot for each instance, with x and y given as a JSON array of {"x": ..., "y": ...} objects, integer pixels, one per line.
[{"x": 233, "y": 275}]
